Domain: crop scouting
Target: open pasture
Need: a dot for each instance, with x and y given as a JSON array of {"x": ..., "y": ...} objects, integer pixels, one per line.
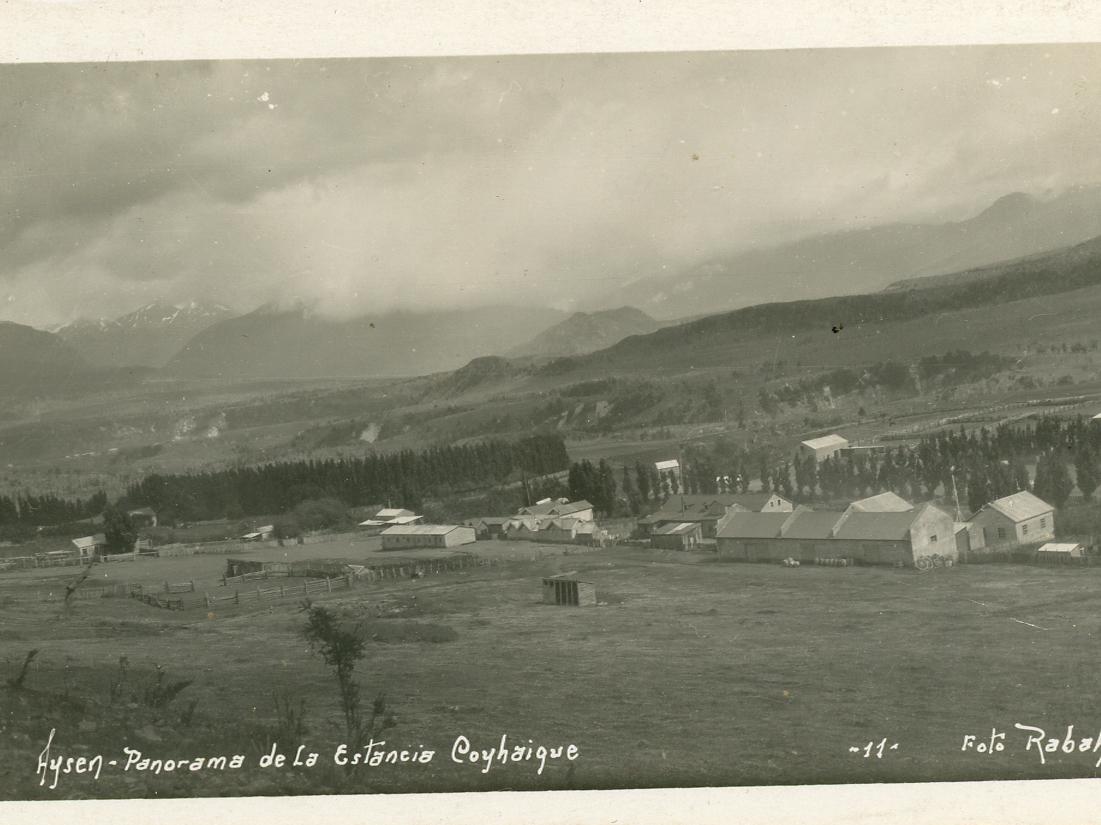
[{"x": 691, "y": 672}]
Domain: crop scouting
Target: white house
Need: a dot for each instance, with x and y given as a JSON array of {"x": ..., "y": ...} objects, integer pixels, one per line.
[{"x": 824, "y": 447}]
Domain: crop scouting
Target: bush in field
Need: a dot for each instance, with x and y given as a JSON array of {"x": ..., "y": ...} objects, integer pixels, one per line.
[{"x": 342, "y": 648}]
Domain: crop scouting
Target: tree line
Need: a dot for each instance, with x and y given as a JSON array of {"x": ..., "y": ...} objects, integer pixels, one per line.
[{"x": 400, "y": 479}]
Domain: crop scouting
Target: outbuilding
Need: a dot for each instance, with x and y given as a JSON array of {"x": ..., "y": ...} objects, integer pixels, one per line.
[
  {"x": 824, "y": 447},
  {"x": 1056, "y": 552},
  {"x": 404, "y": 536},
  {"x": 677, "y": 536}
]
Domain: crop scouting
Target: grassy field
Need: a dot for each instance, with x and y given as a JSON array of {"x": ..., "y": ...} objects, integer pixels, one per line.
[{"x": 689, "y": 672}]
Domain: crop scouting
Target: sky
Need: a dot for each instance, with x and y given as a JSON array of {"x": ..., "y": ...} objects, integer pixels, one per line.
[{"x": 365, "y": 185}]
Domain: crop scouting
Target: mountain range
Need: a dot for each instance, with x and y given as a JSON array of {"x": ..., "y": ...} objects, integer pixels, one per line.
[
  {"x": 148, "y": 336},
  {"x": 587, "y": 332},
  {"x": 867, "y": 260},
  {"x": 297, "y": 343}
]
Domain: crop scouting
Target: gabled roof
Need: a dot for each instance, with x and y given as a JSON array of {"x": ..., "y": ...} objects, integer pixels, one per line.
[
  {"x": 753, "y": 526},
  {"x": 141, "y": 511},
  {"x": 881, "y": 526},
  {"x": 556, "y": 508},
  {"x": 682, "y": 515},
  {"x": 392, "y": 513},
  {"x": 420, "y": 529},
  {"x": 85, "y": 542},
  {"x": 1021, "y": 506},
  {"x": 717, "y": 503},
  {"x": 811, "y": 524},
  {"x": 491, "y": 520},
  {"x": 832, "y": 440},
  {"x": 677, "y": 529},
  {"x": 883, "y": 503},
  {"x": 375, "y": 522},
  {"x": 669, "y": 464}
]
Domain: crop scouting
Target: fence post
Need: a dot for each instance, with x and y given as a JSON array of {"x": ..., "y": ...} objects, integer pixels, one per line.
[
  {"x": 329, "y": 584},
  {"x": 282, "y": 591},
  {"x": 192, "y": 585},
  {"x": 166, "y": 587},
  {"x": 236, "y": 596},
  {"x": 259, "y": 595},
  {"x": 306, "y": 587}
]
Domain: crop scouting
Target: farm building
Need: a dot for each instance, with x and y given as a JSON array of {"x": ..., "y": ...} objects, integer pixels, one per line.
[
  {"x": 489, "y": 527},
  {"x": 557, "y": 508},
  {"x": 143, "y": 517},
  {"x": 1059, "y": 551},
  {"x": 883, "y": 503},
  {"x": 89, "y": 546},
  {"x": 567, "y": 589},
  {"x": 894, "y": 537},
  {"x": 260, "y": 533},
  {"x": 708, "y": 510},
  {"x": 824, "y": 447},
  {"x": 402, "y": 536},
  {"x": 867, "y": 537},
  {"x": 677, "y": 536},
  {"x": 387, "y": 517},
  {"x": 1021, "y": 518}
]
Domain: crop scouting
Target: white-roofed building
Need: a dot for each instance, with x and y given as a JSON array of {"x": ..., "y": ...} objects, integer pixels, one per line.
[
  {"x": 823, "y": 447},
  {"x": 404, "y": 536},
  {"x": 1060, "y": 550}
]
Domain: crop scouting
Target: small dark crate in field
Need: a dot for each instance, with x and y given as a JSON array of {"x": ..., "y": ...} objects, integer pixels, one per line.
[{"x": 566, "y": 590}]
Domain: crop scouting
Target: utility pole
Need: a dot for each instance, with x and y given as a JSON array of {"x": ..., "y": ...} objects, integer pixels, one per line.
[{"x": 955, "y": 492}]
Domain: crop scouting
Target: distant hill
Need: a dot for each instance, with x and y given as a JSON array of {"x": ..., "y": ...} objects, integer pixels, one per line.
[
  {"x": 868, "y": 260},
  {"x": 297, "y": 343},
  {"x": 1004, "y": 305},
  {"x": 588, "y": 331},
  {"x": 31, "y": 359},
  {"x": 149, "y": 336}
]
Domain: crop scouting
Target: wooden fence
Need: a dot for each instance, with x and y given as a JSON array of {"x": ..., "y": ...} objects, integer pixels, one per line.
[{"x": 308, "y": 587}]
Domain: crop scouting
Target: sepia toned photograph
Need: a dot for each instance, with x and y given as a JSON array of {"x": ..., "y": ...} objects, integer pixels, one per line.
[{"x": 560, "y": 422}]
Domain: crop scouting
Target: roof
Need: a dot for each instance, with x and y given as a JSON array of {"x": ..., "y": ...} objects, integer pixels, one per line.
[
  {"x": 880, "y": 526},
  {"x": 668, "y": 464},
  {"x": 141, "y": 511},
  {"x": 1059, "y": 547},
  {"x": 677, "y": 528},
  {"x": 753, "y": 526},
  {"x": 552, "y": 507},
  {"x": 812, "y": 524},
  {"x": 420, "y": 529},
  {"x": 683, "y": 515},
  {"x": 90, "y": 541},
  {"x": 883, "y": 503},
  {"x": 491, "y": 520},
  {"x": 393, "y": 512},
  {"x": 832, "y": 440},
  {"x": 1021, "y": 506},
  {"x": 960, "y": 526},
  {"x": 717, "y": 503},
  {"x": 374, "y": 522}
]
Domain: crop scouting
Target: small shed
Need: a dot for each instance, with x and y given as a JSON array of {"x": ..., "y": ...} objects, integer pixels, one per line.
[
  {"x": 1056, "y": 551},
  {"x": 567, "y": 589},
  {"x": 684, "y": 535},
  {"x": 822, "y": 448},
  {"x": 89, "y": 546}
]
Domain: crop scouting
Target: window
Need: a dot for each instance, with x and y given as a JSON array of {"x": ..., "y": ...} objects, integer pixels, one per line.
[
  {"x": 1001, "y": 532},
  {"x": 1024, "y": 529},
  {"x": 932, "y": 538},
  {"x": 1043, "y": 523}
]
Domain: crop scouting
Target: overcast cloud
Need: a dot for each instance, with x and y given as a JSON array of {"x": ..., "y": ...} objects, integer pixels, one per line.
[{"x": 365, "y": 185}]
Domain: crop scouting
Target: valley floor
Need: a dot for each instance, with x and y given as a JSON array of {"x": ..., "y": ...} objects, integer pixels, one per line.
[{"x": 690, "y": 672}]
